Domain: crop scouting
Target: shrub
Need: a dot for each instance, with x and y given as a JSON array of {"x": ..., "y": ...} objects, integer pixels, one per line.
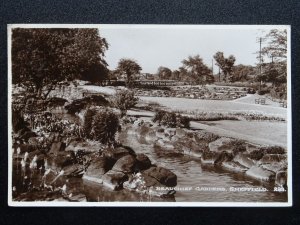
[
  {"x": 256, "y": 154},
  {"x": 171, "y": 119},
  {"x": 124, "y": 100},
  {"x": 88, "y": 122},
  {"x": 273, "y": 150},
  {"x": 105, "y": 125}
]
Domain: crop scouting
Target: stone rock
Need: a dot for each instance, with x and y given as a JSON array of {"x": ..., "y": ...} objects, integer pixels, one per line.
[
  {"x": 118, "y": 152},
  {"x": 143, "y": 162},
  {"x": 57, "y": 147},
  {"x": 169, "y": 132},
  {"x": 281, "y": 178},
  {"x": 209, "y": 157},
  {"x": 126, "y": 164},
  {"x": 165, "y": 144},
  {"x": 164, "y": 176},
  {"x": 180, "y": 132},
  {"x": 271, "y": 158},
  {"x": 160, "y": 134},
  {"x": 87, "y": 146},
  {"x": 192, "y": 152},
  {"x": 260, "y": 173},
  {"x": 98, "y": 167},
  {"x": 221, "y": 144},
  {"x": 60, "y": 160},
  {"x": 223, "y": 157},
  {"x": 243, "y": 160},
  {"x": 114, "y": 180},
  {"x": 150, "y": 137},
  {"x": 73, "y": 170},
  {"x": 235, "y": 167},
  {"x": 275, "y": 166}
]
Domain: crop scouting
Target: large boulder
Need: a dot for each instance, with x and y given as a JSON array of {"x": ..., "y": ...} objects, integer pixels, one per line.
[
  {"x": 74, "y": 170},
  {"x": 163, "y": 175},
  {"x": 114, "y": 180},
  {"x": 221, "y": 144},
  {"x": 234, "y": 167},
  {"x": 126, "y": 164},
  {"x": 97, "y": 168},
  {"x": 143, "y": 162},
  {"x": 244, "y": 160},
  {"x": 260, "y": 174},
  {"x": 60, "y": 160},
  {"x": 117, "y": 153}
]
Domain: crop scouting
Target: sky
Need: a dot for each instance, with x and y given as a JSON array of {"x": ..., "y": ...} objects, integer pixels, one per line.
[{"x": 155, "y": 46}]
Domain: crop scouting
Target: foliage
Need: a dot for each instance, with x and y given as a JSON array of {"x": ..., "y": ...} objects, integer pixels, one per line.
[
  {"x": 129, "y": 68},
  {"x": 273, "y": 150},
  {"x": 256, "y": 154},
  {"x": 18, "y": 121},
  {"x": 79, "y": 104},
  {"x": 200, "y": 73},
  {"x": 171, "y": 119},
  {"x": 277, "y": 44},
  {"x": 124, "y": 100},
  {"x": 88, "y": 122},
  {"x": 105, "y": 125},
  {"x": 226, "y": 65},
  {"x": 243, "y": 72},
  {"x": 164, "y": 73},
  {"x": 43, "y": 57}
]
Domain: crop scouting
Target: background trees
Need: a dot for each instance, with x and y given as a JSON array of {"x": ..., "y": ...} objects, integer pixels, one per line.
[
  {"x": 226, "y": 65},
  {"x": 129, "y": 68},
  {"x": 197, "y": 70},
  {"x": 164, "y": 73},
  {"x": 276, "y": 50},
  {"x": 43, "y": 57}
]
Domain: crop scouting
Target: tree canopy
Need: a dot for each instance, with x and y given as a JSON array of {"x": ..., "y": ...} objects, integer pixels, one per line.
[
  {"x": 129, "y": 68},
  {"x": 43, "y": 57},
  {"x": 225, "y": 64},
  {"x": 197, "y": 70},
  {"x": 164, "y": 73}
]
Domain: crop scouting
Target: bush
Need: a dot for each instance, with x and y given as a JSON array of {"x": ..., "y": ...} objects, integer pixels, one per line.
[
  {"x": 88, "y": 122},
  {"x": 171, "y": 119},
  {"x": 256, "y": 154},
  {"x": 104, "y": 126},
  {"x": 273, "y": 150},
  {"x": 124, "y": 100}
]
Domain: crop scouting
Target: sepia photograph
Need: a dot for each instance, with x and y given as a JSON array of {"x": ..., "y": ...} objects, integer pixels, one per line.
[{"x": 149, "y": 115}]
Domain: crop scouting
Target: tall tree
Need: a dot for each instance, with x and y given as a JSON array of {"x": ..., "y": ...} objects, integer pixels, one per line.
[
  {"x": 41, "y": 58},
  {"x": 226, "y": 65},
  {"x": 164, "y": 73},
  {"x": 129, "y": 68},
  {"x": 276, "y": 50},
  {"x": 197, "y": 70}
]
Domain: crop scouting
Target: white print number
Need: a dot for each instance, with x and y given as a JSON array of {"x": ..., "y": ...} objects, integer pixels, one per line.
[{"x": 279, "y": 189}]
